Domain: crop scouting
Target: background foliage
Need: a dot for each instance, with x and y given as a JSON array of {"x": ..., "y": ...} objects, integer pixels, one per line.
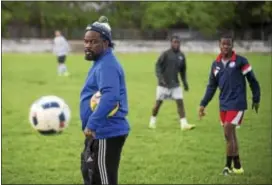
[{"x": 207, "y": 17}]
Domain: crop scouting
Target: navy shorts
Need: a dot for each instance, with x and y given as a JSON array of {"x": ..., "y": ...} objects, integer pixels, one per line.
[{"x": 61, "y": 59}]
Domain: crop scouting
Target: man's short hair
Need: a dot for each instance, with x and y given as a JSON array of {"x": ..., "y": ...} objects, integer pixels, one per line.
[
  {"x": 174, "y": 37},
  {"x": 226, "y": 36}
]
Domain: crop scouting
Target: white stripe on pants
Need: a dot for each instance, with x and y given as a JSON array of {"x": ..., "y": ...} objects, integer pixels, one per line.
[
  {"x": 102, "y": 161},
  {"x": 237, "y": 118}
]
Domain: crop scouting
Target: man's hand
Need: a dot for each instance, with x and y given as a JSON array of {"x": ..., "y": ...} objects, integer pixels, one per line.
[
  {"x": 163, "y": 81},
  {"x": 186, "y": 87},
  {"x": 256, "y": 107},
  {"x": 89, "y": 133},
  {"x": 201, "y": 112}
]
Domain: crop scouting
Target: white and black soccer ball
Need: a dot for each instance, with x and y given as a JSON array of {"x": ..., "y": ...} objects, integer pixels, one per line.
[{"x": 49, "y": 114}]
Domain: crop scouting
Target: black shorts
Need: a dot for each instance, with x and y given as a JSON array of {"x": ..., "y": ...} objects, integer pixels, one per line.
[
  {"x": 100, "y": 160},
  {"x": 61, "y": 59}
]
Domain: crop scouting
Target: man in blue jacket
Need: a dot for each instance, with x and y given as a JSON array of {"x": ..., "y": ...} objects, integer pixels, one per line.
[
  {"x": 105, "y": 135},
  {"x": 228, "y": 72}
]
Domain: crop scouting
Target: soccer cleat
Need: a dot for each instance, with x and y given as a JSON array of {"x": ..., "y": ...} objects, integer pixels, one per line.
[
  {"x": 226, "y": 171},
  {"x": 152, "y": 125},
  {"x": 238, "y": 171},
  {"x": 187, "y": 127}
]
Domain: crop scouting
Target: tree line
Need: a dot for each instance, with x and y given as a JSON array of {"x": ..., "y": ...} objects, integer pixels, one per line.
[{"x": 207, "y": 17}]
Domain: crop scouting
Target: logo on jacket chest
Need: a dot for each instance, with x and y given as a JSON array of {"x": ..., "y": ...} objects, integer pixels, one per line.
[
  {"x": 229, "y": 68},
  {"x": 180, "y": 57},
  {"x": 232, "y": 64}
]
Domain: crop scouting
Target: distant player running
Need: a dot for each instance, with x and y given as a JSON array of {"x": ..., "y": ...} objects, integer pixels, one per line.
[
  {"x": 171, "y": 63},
  {"x": 61, "y": 49},
  {"x": 228, "y": 72}
]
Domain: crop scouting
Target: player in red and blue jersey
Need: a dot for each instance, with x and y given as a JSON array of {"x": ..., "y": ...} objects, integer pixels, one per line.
[{"x": 228, "y": 72}]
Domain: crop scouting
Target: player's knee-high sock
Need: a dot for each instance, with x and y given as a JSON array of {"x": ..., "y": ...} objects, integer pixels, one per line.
[
  {"x": 229, "y": 156},
  {"x": 236, "y": 161},
  {"x": 229, "y": 151},
  {"x": 183, "y": 122},
  {"x": 228, "y": 161},
  {"x": 155, "y": 112},
  {"x": 59, "y": 69},
  {"x": 152, "y": 120},
  {"x": 64, "y": 68},
  {"x": 236, "y": 158}
]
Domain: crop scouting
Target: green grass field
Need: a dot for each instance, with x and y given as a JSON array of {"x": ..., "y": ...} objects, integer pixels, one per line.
[{"x": 165, "y": 155}]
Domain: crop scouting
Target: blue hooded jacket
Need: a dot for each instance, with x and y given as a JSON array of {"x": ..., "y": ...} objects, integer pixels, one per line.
[{"x": 106, "y": 76}]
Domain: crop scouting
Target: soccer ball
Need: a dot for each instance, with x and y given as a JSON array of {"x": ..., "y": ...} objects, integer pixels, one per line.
[
  {"x": 95, "y": 101},
  {"x": 49, "y": 114}
]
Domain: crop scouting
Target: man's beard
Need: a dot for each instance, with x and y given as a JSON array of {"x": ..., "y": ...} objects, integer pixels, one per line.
[
  {"x": 89, "y": 55},
  {"x": 175, "y": 49}
]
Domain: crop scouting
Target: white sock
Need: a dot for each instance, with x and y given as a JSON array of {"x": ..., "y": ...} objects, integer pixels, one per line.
[
  {"x": 64, "y": 68},
  {"x": 152, "y": 120},
  {"x": 183, "y": 121},
  {"x": 59, "y": 69}
]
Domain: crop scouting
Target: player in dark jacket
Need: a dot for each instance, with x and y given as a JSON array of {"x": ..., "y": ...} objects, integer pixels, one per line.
[
  {"x": 228, "y": 72},
  {"x": 171, "y": 63}
]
